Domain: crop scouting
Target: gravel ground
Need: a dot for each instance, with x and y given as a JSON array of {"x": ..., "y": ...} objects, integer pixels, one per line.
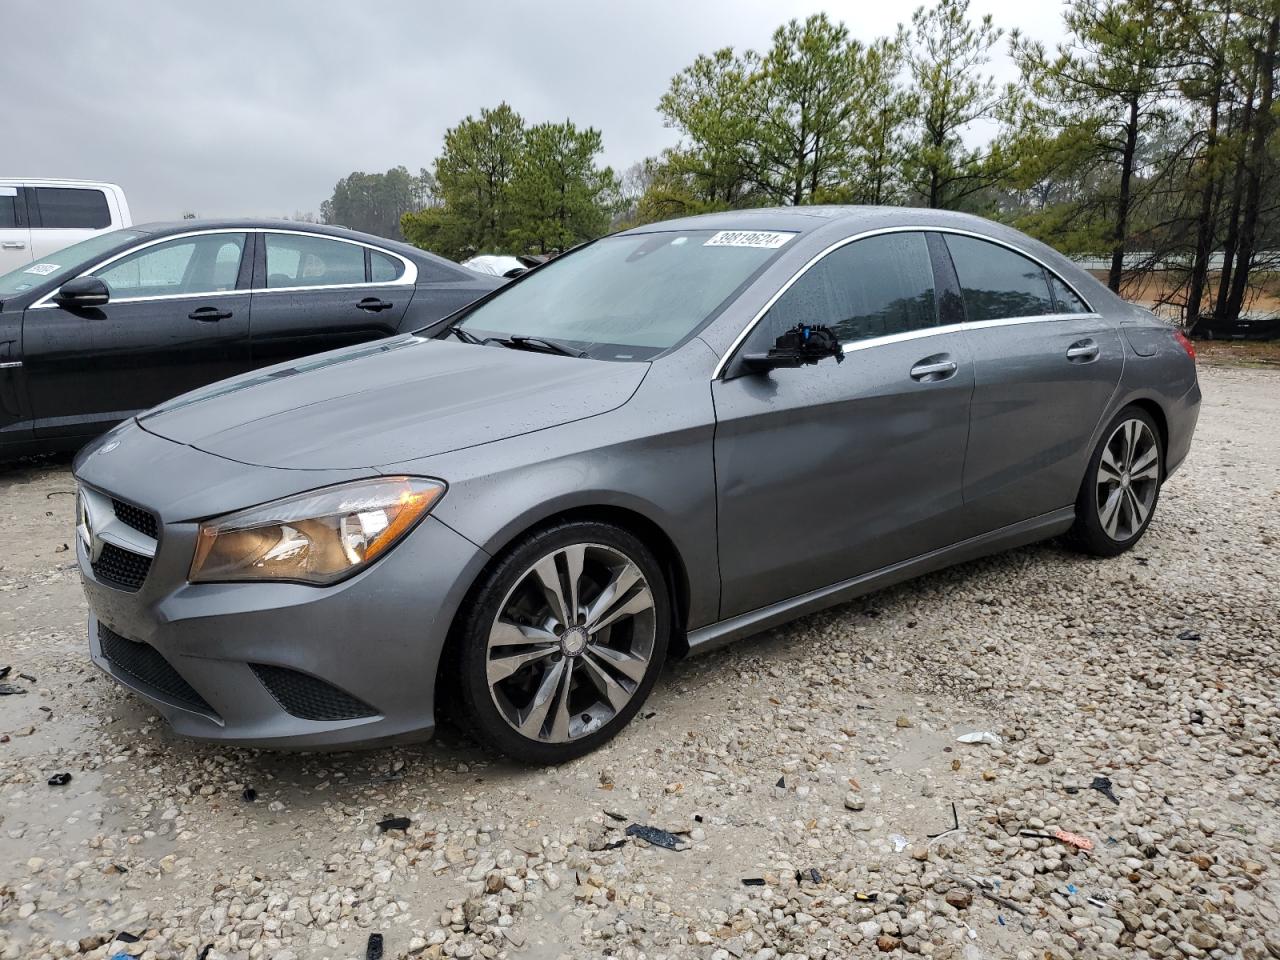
[{"x": 815, "y": 760}]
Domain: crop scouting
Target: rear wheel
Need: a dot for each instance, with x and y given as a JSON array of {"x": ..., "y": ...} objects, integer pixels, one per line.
[
  {"x": 564, "y": 641},
  {"x": 1121, "y": 486}
]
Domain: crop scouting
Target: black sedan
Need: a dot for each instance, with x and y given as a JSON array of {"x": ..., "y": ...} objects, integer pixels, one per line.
[{"x": 124, "y": 320}]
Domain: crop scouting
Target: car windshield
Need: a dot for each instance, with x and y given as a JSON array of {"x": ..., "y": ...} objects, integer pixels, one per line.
[
  {"x": 627, "y": 297},
  {"x": 68, "y": 260}
]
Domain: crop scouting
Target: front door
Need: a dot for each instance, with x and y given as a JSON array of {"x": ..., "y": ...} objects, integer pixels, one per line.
[
  {"x": 827, "y": 472},
  {"x": 316, "y": 293},
  {"x": 177, "y": 319},
  {"x": 1046, "y": 368}
]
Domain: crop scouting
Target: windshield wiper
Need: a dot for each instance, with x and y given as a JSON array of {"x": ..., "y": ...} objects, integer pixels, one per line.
[
  {"x": 466, "y": 336},
  {"x": 542, "y": 345}
]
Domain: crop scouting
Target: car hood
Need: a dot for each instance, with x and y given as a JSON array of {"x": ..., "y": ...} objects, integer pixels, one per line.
[{"x": 401, "y": 399}]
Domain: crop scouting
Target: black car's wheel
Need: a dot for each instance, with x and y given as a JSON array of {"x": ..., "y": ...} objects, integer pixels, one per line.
[
  {"x": 562, "y": 641},
  {"x": 1121, "y": 486}
]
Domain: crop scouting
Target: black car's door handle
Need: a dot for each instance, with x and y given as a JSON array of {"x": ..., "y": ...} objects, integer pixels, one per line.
[
  {"x": 373, "y": 304},
  {"x": 209, "y": 314},
  {"x": 933, "y": 368},
  {"x": 1082, "y": 351}
]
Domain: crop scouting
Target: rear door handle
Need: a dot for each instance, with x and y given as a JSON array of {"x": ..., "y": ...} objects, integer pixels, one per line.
[
  {"x": 373, "y": 304},
  {"x": 1083, "y": 350},
  {"x": 929, "y": 370},
  {"x": 13, "y": 245},
  {"x": 209, "y": 314}
]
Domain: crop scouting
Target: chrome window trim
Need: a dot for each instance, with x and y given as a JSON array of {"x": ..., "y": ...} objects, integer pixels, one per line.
[
  {"x": 909, "y": 334},
  {"x": 407, "y": 279},
  {"x": 853, "y": 345}
]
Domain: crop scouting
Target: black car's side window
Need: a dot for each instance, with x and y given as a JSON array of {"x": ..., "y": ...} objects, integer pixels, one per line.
[
  {"x": 384, "y": 269},
  {"x": 294, "y": 260},
  {"x": 208, "y": 263},
  {"x": 997, "y": 283},
  {"x": 869, "y": 288}
]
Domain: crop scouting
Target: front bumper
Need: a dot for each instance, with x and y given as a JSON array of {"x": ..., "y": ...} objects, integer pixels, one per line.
[{"x": 286, "y": 665}]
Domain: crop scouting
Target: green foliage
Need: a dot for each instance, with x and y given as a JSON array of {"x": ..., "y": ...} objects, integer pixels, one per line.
[
  {"x": 507, "y": 188},
  {"x": 375, "y": 202}
]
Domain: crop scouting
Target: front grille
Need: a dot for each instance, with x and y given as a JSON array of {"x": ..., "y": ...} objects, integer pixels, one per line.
[
  {"x": 144, "y": 663},
  {"x": 144, "y": 521},
  {"x": 121, "y": 568},
  {"x": 307, "y": 698}
]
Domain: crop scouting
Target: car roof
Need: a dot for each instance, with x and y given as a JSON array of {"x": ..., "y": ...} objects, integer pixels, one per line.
[{"x": 161, "y": 228}]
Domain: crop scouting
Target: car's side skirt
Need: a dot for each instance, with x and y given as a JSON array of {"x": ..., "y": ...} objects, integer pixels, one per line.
[{"x": 1015, "y": 535}]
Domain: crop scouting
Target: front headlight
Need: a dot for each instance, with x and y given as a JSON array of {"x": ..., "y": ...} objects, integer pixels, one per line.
[{"x": 318, "y": 537}]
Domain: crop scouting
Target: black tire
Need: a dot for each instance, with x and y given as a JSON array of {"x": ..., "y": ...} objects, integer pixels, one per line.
[
  {"x": 480, "y": 711},
  {"x": 1089, "y": 533}
]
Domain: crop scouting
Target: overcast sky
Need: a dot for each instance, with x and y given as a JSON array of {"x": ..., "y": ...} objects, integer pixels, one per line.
[{"x": 257, "y": 108}]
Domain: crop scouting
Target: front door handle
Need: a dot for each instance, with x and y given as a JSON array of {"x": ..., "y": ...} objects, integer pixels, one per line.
[
  {"x": 209, "y": 314},
  {"x": 13, "y": 245},
  {"x": 933, "y": 368},
  {"x": 1083, "y": 351},
  {"x": 373, "y": 304}
]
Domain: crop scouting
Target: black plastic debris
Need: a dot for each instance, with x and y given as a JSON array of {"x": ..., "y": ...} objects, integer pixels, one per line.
[
  {"x": 249, "y": 795},
  {"x": 1189, "y": 636},
  {"x": 615, "y": 844},
  {"x": 697, "y": 818},
  {"x": 27, "y": 677},
  {"x": 124, "y": 936},
  {"x": 1103, "y": 786},
  {"x": 8, "y": 690},
  {"x": 616, "y": 816},
  {"x": 4, "y": 671},
  {"x": 808, "y": 876},
  {"x": 655, "y": 836},
  {"x": 753, "y": 881},
  {"x": 204, "y": 952},
  {"x": 782, "y": 783},
  {"x": 59, "y": 779},
  {"x": 374, "y": 950},
  {"x": 393, "y": 823},
  {"x": 1197, "y": 716},
  {"x": 955, "y": 824}
]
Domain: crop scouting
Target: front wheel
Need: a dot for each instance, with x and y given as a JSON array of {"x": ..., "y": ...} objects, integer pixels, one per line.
[
  {"x": 563, "y": 641},
  {"x": 1121, "y": 486}
]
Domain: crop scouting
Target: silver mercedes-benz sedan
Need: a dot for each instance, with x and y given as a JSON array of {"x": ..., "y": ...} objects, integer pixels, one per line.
[{"x": 666, "y": 439}]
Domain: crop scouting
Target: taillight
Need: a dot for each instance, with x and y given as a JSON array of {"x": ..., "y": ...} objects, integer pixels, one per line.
[{"x": 1185, "y": 343}]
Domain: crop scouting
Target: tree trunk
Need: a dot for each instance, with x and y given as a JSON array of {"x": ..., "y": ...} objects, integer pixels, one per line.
[
  {"x": 1204, "y": 229},
  {"x": 1256, "y": 169},
  {"x": 1122, "y": 203}
]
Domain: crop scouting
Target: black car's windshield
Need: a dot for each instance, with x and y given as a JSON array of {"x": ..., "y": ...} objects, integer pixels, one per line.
[
  {"x": 627, "y": 297},
  {"x": 68, "y": 260}
]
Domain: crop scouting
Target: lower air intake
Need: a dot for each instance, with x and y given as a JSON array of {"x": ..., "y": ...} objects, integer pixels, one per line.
[
  {"x": 143, "y": 663},
  {"x": 307, "y": 698}
]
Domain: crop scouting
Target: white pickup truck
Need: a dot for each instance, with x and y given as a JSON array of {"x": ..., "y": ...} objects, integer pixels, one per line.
[{"x": 38, "y": 217}]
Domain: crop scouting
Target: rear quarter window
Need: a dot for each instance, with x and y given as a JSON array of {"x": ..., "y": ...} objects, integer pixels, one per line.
[{"x": 996, "y": 282}]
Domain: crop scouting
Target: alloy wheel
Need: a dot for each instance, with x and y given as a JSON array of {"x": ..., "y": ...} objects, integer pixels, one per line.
[
  {"x": 1128, "y": 479},
  {"x": 572, "y": 642}
]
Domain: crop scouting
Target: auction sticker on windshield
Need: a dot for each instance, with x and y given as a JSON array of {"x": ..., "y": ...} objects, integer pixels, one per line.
[
  {"x": 761, "y": 239},
  {"x": 43, "y": 269}
]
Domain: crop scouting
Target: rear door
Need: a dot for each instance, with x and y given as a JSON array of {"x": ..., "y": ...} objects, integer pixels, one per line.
[
  {"x": 314, "y": 293},
  {"x": 178, "y": 318},
  {"x": 1046, "y": 367},
  {"x": 827, "y": 472},
  {"x": 15, "y": 230},
  {"x": 61, "y": 216}
]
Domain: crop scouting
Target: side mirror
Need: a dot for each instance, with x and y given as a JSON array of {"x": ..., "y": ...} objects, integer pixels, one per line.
[
  {"x": 803, "y": 344},
  {"x": 82, "y": 292}
]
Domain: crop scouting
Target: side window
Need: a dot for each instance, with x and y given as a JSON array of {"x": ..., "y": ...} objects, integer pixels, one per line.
[
  {"x": 299, "y": 261},
  {"x": 73, "y": 207},
  {"x": 189, "y": 265},
  {"x": 996, "y": 282},
  {"x": 870, "y": 288},
  {"x": 385, "y": 268},
  {"x": 1064, "y": 298},
  {"x": 9, "y": 201}
]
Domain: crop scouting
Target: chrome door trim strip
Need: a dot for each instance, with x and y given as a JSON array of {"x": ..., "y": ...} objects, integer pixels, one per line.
[
  {"x": 10, "y": 364},
  {"x": 406, "y": 279},
  {"x": 879, "y": 231}
]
